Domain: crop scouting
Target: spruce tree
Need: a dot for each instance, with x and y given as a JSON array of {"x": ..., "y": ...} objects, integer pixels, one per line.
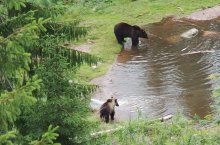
[{"x": 33, "y": 61}]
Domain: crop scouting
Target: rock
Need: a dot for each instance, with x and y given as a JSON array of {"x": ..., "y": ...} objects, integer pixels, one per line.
[{"x": 190, "y": 33}]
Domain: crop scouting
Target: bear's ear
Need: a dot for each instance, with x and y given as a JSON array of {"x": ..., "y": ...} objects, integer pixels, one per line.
[
  {"x": 109, "y": 100},
  {"x": 116, "y": 102}
]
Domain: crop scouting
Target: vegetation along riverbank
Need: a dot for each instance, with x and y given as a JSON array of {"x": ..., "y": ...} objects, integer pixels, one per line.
[{"x": 45, "y": 78}]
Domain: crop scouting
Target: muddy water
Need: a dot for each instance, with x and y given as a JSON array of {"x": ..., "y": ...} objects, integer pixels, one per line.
[{"x": 164, "y": 75}]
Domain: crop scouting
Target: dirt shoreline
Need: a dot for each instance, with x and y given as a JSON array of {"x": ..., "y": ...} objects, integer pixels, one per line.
[
  {"x": 206, "y": 14},
  {"x": 104, "y": 92}
]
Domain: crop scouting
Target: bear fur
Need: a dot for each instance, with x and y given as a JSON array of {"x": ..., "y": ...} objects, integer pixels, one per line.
[
  {"x": 108, "y": 109},
  {"x": 123, "y": 30}
]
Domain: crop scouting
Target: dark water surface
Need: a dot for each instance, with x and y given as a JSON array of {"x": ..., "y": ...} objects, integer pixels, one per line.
[{"x": 161, "y": 78}]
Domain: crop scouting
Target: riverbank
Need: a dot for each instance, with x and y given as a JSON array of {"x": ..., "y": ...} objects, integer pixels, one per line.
[
  {"x": 150, "y": 88},
  {"x": 180, "y": 131},
  {"x": 101, "y": 17}
]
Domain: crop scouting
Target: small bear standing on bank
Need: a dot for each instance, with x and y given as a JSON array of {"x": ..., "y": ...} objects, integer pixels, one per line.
[
  {"x": 123, "y": 30},
  {"x": 108, "y": 109}
]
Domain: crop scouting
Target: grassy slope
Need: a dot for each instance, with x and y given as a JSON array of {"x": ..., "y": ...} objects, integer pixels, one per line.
[{"x": 140, "y": 12}]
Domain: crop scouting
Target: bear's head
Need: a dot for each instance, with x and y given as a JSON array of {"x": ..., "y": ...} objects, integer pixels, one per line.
[
  {"x": 113, "y": 101},
  {"x": 140, "y": 32}
]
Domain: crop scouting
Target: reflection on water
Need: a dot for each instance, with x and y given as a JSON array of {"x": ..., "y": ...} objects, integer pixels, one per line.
[{"x": 157, "y": 79}]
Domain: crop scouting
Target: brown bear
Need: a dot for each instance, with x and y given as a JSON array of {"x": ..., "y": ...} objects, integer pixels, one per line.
[
  {"x": 123, "y": 30},
  {"x": 108, "y": 109}
]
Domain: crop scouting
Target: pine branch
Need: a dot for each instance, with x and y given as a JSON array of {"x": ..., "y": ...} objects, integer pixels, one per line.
[
  {"x": 50, "y": 12},
  {"x": 10, "y": 102},
  {"x": 13, "y": 57},
  {"x": 48, "y": 137},
  {"x": 12, "y": 4},
  {"x": 7, "y": 27},
  {"x": 49, "y": 46},
  {"x": 6, "y": 139},
  {"x": 76, "y": 58},
  {"x": 70, "y": 31},
  {"x": 77, "y": 89},
  {"x": 41, "y": 8},
  {"x": 18, "y": 34}
]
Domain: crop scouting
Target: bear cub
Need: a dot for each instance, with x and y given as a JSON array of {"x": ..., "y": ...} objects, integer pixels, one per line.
[
  {"x": 123, "y": 30},
  {"x": 108, "y": 109}
]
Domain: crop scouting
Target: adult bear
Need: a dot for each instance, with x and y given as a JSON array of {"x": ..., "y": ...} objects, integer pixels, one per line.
[
  {"x": 108, "y": 109},
  {"x": 123, "y": 30}
]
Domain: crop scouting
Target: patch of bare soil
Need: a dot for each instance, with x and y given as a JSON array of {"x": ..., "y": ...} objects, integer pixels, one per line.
[
  {"x": 86, "y": 47},
  {"x": 206, "y": 14}
]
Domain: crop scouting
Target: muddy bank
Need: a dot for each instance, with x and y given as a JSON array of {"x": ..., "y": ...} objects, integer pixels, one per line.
[{"x": 158, "y": 79}]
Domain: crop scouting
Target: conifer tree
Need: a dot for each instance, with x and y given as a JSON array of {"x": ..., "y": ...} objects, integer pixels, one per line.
[{"x": 33, "y": 85}]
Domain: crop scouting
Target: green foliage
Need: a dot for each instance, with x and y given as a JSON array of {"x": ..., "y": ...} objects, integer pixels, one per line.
[
  {"x": 14, "y": 4},
  {"x": 7, "y": 138},
  {"x": 7, "y": 26},
  {"x": 49, "y": 43},
  {"x": 14, "y": 59},
  {"x": 48, "y": 137},
  {"x": 31, "y": 43},
  {"x": 63, "y": 104},
  {"x": 69, "y": 31},
  {"x": 11, "y": 102}
]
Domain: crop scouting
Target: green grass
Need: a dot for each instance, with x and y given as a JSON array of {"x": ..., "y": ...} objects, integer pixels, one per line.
[
  {"x": 102, "y": 17},
  {"x": 177, "y": 131}
]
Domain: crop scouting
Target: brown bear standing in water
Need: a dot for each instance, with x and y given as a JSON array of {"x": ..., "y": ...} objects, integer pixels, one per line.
[
  {"x": 123, "y": 30},
  {"x": 108, "y": 109}
]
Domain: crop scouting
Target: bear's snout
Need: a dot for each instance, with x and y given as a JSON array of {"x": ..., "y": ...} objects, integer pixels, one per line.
[
  {"x": 116, "y": 102},
  {"x": 144, "y": 35}
]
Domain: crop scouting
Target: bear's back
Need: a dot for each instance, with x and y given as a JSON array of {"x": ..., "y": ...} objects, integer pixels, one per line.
[{"x": 122, "y": 28}]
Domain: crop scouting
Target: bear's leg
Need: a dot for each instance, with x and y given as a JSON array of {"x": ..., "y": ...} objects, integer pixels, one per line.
[
  {"x": 120, "y": 39},
  {"x": 102, "y": 116},
  {"x": 134, "y": 41},
  {"x": 107, "y": 118},
  {"x": 112, "y": 115}
]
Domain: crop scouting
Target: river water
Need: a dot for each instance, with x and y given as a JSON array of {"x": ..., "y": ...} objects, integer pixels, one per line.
[{"x": 166, "y": 73}]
